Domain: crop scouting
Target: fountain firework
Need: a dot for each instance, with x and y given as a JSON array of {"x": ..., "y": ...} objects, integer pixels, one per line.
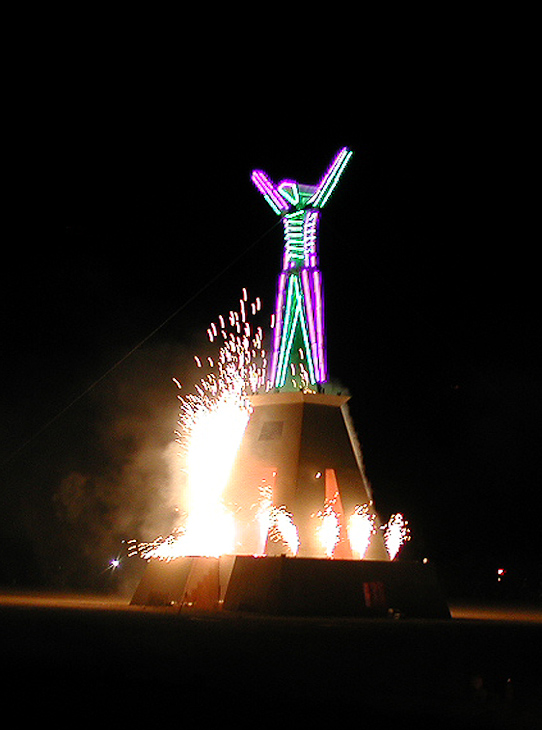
[
  {"x": 211, "y": 424},
  {"x": 361, "y": 527},
  {"x": 396, "y": 533},
  {"x": 329, "y": 529},
  {"x": 276, "y": 523}
]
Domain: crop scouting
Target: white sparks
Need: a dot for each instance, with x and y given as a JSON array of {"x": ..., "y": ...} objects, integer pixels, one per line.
[
  {"x": 361, "y": 527},
  {"x": 276, "y": 523},
  {"x": 212, "y": 422},
  {"x": 396, "y": 533},
  {"x": 329, "y": 529}
]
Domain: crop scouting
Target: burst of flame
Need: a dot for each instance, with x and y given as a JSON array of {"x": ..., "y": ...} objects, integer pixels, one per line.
[
  {"x": 215, "y": 434},
  {"x": 396, "y": 533},
  {"x": 213, "y": 429},
  {"x": 361, "y": 527},
  {"x": 210, "y": 429}
]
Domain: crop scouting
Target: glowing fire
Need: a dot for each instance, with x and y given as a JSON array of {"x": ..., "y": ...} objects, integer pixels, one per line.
[
  {"x": 361, "y": 527},
  {"x": 396, "y": 533}
]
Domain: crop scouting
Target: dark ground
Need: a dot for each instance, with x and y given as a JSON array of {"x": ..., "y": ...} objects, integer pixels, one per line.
[{"x": 101, "y": 660}]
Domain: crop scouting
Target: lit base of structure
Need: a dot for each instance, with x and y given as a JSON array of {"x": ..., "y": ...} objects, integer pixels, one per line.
[{"x": 282, "y": 586}]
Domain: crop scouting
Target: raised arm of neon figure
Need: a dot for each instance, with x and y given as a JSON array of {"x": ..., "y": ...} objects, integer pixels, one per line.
[
  {"x": 271, "y": 194},
  {"x": 327, "y": 184}
]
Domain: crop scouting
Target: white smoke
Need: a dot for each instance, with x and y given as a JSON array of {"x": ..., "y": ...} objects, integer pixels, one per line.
[{"x": 129, "y": 484}]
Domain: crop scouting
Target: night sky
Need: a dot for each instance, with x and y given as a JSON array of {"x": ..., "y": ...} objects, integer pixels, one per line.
[{"x": 119, "y": 216}]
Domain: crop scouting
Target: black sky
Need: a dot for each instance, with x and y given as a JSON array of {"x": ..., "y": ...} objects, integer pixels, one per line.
[{"x": 123, "y": 207}]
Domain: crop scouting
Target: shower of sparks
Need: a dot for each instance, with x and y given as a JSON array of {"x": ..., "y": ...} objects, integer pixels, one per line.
[
  {"x": 396, "y": 533},
  {"x": 211, "y": 424},
  {"x": 361, "y": 527},
  {"x": 162, "y": 548},
  {"x": 284, "y": 529},
  {"x": 276, "y": 523},
  {"x": 264, "y": 515},
  {"x": 210, "y": 431},
  {"x": 329, "y": 529},
  {"x": 215, "y": 428}
]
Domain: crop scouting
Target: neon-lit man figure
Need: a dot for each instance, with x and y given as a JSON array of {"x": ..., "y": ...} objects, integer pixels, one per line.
[{"x": 299, "y": 335}]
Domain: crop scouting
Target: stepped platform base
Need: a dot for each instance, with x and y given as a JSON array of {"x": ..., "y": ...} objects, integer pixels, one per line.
[{"x": 284, "y": 586}]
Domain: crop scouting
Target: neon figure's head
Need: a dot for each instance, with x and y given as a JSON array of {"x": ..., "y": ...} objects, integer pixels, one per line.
[{"x": 290, "y": 196}]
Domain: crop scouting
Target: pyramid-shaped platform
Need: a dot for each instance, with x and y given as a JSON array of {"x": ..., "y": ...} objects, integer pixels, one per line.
[{"x": 304, "y": 447}]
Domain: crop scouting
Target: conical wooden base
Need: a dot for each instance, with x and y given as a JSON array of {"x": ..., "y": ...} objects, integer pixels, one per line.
[{"x": 297, "y": 445}]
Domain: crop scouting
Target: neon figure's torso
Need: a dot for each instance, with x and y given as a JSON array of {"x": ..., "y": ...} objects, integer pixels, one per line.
[{"x": 298, "y": 352}]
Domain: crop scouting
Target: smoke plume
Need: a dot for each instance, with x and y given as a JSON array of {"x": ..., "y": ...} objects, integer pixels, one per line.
[{"x": 128, "y": 480}]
